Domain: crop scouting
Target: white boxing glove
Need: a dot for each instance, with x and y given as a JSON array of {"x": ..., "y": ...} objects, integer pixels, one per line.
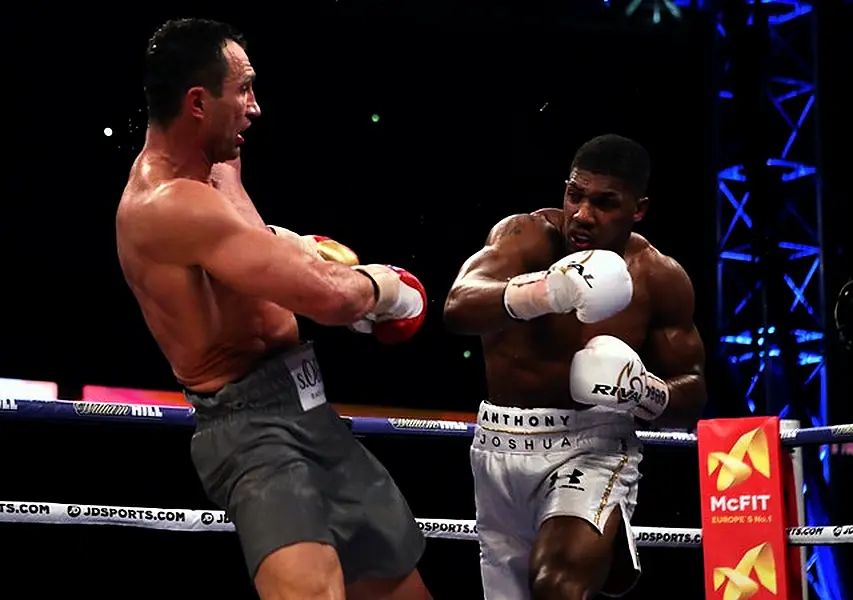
[
  {"x": 608, "y": 372},
  {"x": 594, "y": 283}
]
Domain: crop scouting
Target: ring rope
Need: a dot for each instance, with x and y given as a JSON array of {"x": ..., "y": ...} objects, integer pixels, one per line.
[
  {"x": 180, "y": 519},
  {"x": 87, "y": 410}
]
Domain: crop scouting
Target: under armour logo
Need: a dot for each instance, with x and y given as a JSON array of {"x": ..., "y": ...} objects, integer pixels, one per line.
[
  {"x": 565, "y": 480},
  {"x": 575, "y": 477}
]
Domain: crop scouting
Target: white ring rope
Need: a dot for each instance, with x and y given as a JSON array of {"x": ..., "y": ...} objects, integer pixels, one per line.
[{"x": 180, "y": 519}]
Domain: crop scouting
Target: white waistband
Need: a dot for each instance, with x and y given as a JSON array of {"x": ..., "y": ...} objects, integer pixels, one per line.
[
  {"x": 537, "y": 430},
  {"x": 534, "y": 421},
  {"x": 610, "y": 441}
]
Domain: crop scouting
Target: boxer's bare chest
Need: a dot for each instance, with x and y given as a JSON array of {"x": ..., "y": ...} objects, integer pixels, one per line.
[
  {"x": 556, "y": 338},
  {"x": 560, "y": 336},
  {"x": 528, "y": 364}
]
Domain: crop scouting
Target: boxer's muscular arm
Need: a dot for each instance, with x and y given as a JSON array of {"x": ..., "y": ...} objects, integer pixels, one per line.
[
  {"x": 675, "y": 351},
  {"x": 191, "y": 224},
  {"x": 475, "y": 305}
]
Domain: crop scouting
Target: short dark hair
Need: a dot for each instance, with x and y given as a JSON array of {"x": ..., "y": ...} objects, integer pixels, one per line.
[
  {"x": 618, "y": 157},
  {"x": 182, "y": 54}
]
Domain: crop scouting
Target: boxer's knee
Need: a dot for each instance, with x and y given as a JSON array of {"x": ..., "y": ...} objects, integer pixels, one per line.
[
  {"x": 549, "y": 581},
  {"x": 571, "y": 558},
  {"x": 303, "y": 571}
]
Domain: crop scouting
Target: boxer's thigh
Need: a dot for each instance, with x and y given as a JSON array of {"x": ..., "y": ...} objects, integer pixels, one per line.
[
  {"x": 505, "y": 526},
  {"x": 378, "y": 536},
  {"x": 586, "y": 502},
  {"x": 252, "y": 467},
  {"x": 504, "y": 565}
]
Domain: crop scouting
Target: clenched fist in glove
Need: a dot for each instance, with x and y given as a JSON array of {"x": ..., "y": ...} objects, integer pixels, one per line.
[
  {"x": 594, "y": 283},
  {"x": 608, "y": 372},
  {"x": 327, "y": 248},
  {"x": 400, "y": 304}
]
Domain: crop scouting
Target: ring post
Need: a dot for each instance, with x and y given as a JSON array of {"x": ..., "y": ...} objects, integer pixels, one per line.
[
  {"x": 795, "y": 507},
  {"x": 741, "y": 485}
]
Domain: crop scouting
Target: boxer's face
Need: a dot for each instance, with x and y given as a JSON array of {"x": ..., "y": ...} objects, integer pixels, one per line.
[
  {"x": 230, "y": 114},
  {"x": 599, "y": 211}
]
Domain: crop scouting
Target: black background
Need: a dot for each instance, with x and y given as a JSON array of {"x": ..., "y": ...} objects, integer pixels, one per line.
[{"x": 480, "y": 112}]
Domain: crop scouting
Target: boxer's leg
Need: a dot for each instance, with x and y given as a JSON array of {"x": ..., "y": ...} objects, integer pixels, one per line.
[
  {"x": 584, "y": 545},
  {"x": 503, "y": 524},
  {"x": 303, "y": 571},
  {"x": 379, "y": 540},
  {"x": 257, "y": 467},
  {"x": 576, "y": 569},
  {"x": 408, "y": 587}
]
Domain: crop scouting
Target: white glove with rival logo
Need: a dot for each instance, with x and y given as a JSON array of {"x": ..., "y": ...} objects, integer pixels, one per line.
[
  {"x": 608, "y": 372},
  {"x": 594, "y": 283}
]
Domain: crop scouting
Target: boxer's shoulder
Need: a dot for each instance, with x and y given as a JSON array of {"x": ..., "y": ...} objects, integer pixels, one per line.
[
  {"x": 176, "y": 210},
  {"x": 175, "y": 197},
  {"x": 538, "y": 224},
  {"x": 666, "y": 279},
  {"x": 531, "y": 235},
  {"x": 553, "y": 217}
]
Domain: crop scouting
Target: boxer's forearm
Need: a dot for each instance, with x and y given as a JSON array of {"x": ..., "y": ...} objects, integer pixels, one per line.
[
  {"x": 687, "y": 397},
  {"x": 344, "y": 297},
  {"x": 476, "y": 307}
]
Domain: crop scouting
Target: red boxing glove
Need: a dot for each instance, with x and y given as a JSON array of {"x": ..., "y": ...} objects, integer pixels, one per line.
[
  {"x": 397, "y": 330},
  {"x": 401, "y": 308}
]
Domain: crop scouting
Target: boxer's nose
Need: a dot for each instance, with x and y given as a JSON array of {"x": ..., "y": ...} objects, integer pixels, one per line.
[{"x": 583, "y": 215}]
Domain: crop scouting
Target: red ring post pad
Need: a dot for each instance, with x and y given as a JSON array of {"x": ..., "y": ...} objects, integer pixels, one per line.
[{"x": 741, "y": 483}]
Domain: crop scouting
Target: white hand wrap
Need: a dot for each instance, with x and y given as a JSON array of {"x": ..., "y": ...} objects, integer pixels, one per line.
[
  {"x": 595, "y": 283},
  {"x": 608, "y": 372}
]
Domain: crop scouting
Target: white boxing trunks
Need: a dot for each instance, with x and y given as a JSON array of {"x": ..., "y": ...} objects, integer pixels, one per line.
[{"x": 533, "y": 464}]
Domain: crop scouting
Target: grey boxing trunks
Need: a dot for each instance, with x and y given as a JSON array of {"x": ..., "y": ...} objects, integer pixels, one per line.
[{"x": 276, "y": 457}]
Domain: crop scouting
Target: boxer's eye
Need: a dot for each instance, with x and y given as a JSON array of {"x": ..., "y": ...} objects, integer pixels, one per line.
[{"x": 605, "y": 202}]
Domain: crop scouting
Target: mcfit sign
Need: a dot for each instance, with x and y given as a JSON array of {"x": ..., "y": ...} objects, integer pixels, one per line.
[{"x": 743, "y": 509}]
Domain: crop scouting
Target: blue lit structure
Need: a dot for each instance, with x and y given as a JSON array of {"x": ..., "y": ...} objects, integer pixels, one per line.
[
  {"x": 770, "y": 281},
  {"x": 771, "y": 305}
]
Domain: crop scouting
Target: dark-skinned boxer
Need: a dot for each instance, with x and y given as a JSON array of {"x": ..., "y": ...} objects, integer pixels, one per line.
[{"x": 587, "y": 331}]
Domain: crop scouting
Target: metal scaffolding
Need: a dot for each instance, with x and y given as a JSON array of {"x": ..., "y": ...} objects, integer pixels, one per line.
[
  {"x": 771, "y": 306},
  {"x": 770, "y": 280}
]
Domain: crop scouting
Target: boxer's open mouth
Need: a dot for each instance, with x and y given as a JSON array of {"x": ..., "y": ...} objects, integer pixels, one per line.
[
  {"x": 580, "y": 241},
  {"x": 240, "y": 138}
]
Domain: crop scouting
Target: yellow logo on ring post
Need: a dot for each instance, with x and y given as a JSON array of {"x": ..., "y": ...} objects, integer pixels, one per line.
[
  {"x": 739, "y": 582},
  {"x": 733, "y": 469}
]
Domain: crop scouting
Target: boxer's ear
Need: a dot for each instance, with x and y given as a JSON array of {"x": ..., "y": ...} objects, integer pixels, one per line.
[
  {"x": 195, "y": 100},
  {"x": 641, "y": 208}
]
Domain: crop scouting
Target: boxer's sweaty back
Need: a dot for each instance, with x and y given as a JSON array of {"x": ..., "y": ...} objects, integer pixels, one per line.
[
  {"x": 527, "y": 364},
  {"x": 210, "y": 334}
]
